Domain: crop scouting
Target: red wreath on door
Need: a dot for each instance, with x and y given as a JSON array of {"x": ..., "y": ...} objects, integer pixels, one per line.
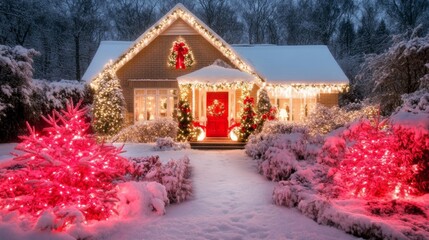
[{"x": 217, "y": 109}]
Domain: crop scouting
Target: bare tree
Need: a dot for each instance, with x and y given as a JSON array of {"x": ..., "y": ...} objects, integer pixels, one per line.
[
  {"x": 259, "y": 16},
  {"x": 407, "y": 14},
  {"x": 84, "y": 19},
  {"x": 18, "y": 20},
  {"x": 167, "y": 5},
  {"x": 132, "y": 17},
  {"x": 222, "y": 17}
]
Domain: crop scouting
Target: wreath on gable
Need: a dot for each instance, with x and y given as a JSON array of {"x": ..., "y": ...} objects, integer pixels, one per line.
[
  {"x": 181, "y": 56},
  {"x": 217, "y": 109}
]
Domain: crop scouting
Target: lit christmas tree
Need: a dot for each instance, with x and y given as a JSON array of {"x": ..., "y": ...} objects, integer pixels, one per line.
[
  {"x": 63, "y": 171},
  {"x": 248, "y": 121},
  {"x": 264, "y": 109},
  {"x": 109, "y": 106},
  {"x": 185, "y": 119}
]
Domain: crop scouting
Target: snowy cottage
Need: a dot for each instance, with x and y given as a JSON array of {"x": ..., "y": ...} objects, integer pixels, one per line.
[{"x": 179, "y": 54}]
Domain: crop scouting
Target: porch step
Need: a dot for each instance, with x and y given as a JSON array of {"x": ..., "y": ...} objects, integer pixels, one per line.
[{"x": 216, "y": 144}]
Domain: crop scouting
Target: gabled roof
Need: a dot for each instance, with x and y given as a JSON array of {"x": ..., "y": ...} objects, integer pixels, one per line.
[
  {"x": 302, "y": 64},
  {"x": 305, "y": 64},
  {"x": 108, "y": 51},
  {"x": 179, "y": 11}
]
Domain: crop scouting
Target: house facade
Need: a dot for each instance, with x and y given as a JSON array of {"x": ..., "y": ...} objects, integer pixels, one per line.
[{"x": 180, "y": 57}]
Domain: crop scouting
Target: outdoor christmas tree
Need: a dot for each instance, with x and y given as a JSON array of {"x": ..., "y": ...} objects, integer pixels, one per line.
[
  {"x": 248, "y": 121},
  {"x": 264, "y": 109},
  {"x": 63, "y": 172},
  {"x": 185, "y": 119},
  {"x": 109, "y": 106}
]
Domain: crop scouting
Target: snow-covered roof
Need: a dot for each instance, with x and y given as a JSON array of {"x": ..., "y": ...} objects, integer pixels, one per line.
[
  {"x": 215, "y": 74},
  {"x": 106, "y": 52},
  {"x": 302, "y": 64}
]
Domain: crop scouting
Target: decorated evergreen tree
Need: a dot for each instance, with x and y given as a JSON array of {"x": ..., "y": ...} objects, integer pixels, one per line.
[
  {"x": 265, "y": 111},
  {"x": 109, "y": 106},
  {"x": 185, "y": 119},
  {"x": 248, "y": 122},
  {"x": 63, "y": 172}
]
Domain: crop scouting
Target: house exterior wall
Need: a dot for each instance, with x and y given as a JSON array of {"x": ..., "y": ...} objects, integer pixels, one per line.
[{"x": 149, "y": 68}]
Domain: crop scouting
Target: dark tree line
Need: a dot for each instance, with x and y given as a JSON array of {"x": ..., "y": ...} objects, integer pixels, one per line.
[{"x": 67, "y": 32}]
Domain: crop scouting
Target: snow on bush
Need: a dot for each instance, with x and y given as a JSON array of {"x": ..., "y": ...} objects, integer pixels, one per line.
[
  {"x": 281, "y": 154},
  {"x": 416, "y": 102},
  {"x": 149, "y": 131},
  {"x": 141, "y": 198},
  {"x": 168, "y": 143},
  {"x": 57, "y": 93},
  {"x": 258, "y": 144},
  {"x": 174, "y": 175},
  {"x": 323, "y": 120}
]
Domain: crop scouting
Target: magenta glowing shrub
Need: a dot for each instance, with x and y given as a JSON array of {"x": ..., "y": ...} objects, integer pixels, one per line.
[
  {"x": 63, "y": 169},
  {"x": 384, "y": 160}
]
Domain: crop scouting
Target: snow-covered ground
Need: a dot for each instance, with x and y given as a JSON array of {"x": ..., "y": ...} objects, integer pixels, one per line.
[{"x": 231, "y": 201}]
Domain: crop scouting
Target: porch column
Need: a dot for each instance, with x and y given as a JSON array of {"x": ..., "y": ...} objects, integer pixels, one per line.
[{"x": 193, "y": 100}]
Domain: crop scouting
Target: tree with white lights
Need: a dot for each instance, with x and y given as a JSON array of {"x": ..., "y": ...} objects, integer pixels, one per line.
[{"x": 109, "y": 106}]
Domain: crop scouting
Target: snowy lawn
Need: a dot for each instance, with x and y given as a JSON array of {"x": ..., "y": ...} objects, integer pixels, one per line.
[{"x": 231, "y": 201}]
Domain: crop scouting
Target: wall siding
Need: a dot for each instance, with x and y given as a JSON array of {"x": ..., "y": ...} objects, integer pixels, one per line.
[
  {"x": 151, "y": 63},
  {"x": 328, "y": 99}
]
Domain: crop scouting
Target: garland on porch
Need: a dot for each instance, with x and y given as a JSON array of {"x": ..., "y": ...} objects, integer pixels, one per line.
[
  {"x": 248, "y": 121},
  {"x": 184, "y": 118},
  {"x": 217, "y": 109},
  {"x": 181, "y": 56}
]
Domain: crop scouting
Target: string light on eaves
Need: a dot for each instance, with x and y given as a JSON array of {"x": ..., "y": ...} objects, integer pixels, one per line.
[{"x": 160, "y": 27}]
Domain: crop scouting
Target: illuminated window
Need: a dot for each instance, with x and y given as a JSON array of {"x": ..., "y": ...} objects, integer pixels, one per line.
[{"x": 150, "y": 104}]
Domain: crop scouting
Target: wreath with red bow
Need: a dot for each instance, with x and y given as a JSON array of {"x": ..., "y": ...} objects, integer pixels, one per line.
[
  {"x": 217, "y": 109},
  {"x": 181, "y": 56}
]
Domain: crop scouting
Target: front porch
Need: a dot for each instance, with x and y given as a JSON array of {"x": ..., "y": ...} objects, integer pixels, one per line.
[
  {"x": 214, "y": 94},
  {"x": 217, "y": 143}
]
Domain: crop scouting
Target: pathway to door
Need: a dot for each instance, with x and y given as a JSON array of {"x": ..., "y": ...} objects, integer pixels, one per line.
[{"x": 231, "y": 201}]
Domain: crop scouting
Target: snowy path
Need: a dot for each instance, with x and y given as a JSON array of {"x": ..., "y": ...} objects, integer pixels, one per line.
[{"x": 231, "y": 201}]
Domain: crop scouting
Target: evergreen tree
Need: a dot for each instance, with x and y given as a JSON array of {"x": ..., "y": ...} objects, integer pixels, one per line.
[
  {"x": 63, "y": 172},
  {"x": 109, "y": 106},
  {"x": 185, "y": 119},
  {"x": 248, "y": 121},
  {"x": 264, "y": 108}
]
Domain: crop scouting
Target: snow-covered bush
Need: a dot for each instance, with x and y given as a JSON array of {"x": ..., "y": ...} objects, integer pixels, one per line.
[
  {"x": 258, "y": 144},
  {"x": 416, "y": 102},
  {"x": 56, "y": 94},
  {"x": 141, "y": 198},
  {"x": 397, "y": 71},
  {"x": 174, "y": 175},
  {"x": 24, "y": 99},
  {"x": 168, "y": 143},
  {"x": 16, "y": 91},
  {"x": 323, "y": 120},
  {"x": 149, "y": 131}
]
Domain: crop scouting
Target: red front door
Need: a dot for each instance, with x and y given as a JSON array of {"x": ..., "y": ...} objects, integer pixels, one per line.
[{"x": 217, "y": 114}]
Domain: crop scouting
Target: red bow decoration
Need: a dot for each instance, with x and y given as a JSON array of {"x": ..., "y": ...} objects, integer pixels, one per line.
[
  {"x": 181, "y": 52},
  {"x": 248, "y": 100}
]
